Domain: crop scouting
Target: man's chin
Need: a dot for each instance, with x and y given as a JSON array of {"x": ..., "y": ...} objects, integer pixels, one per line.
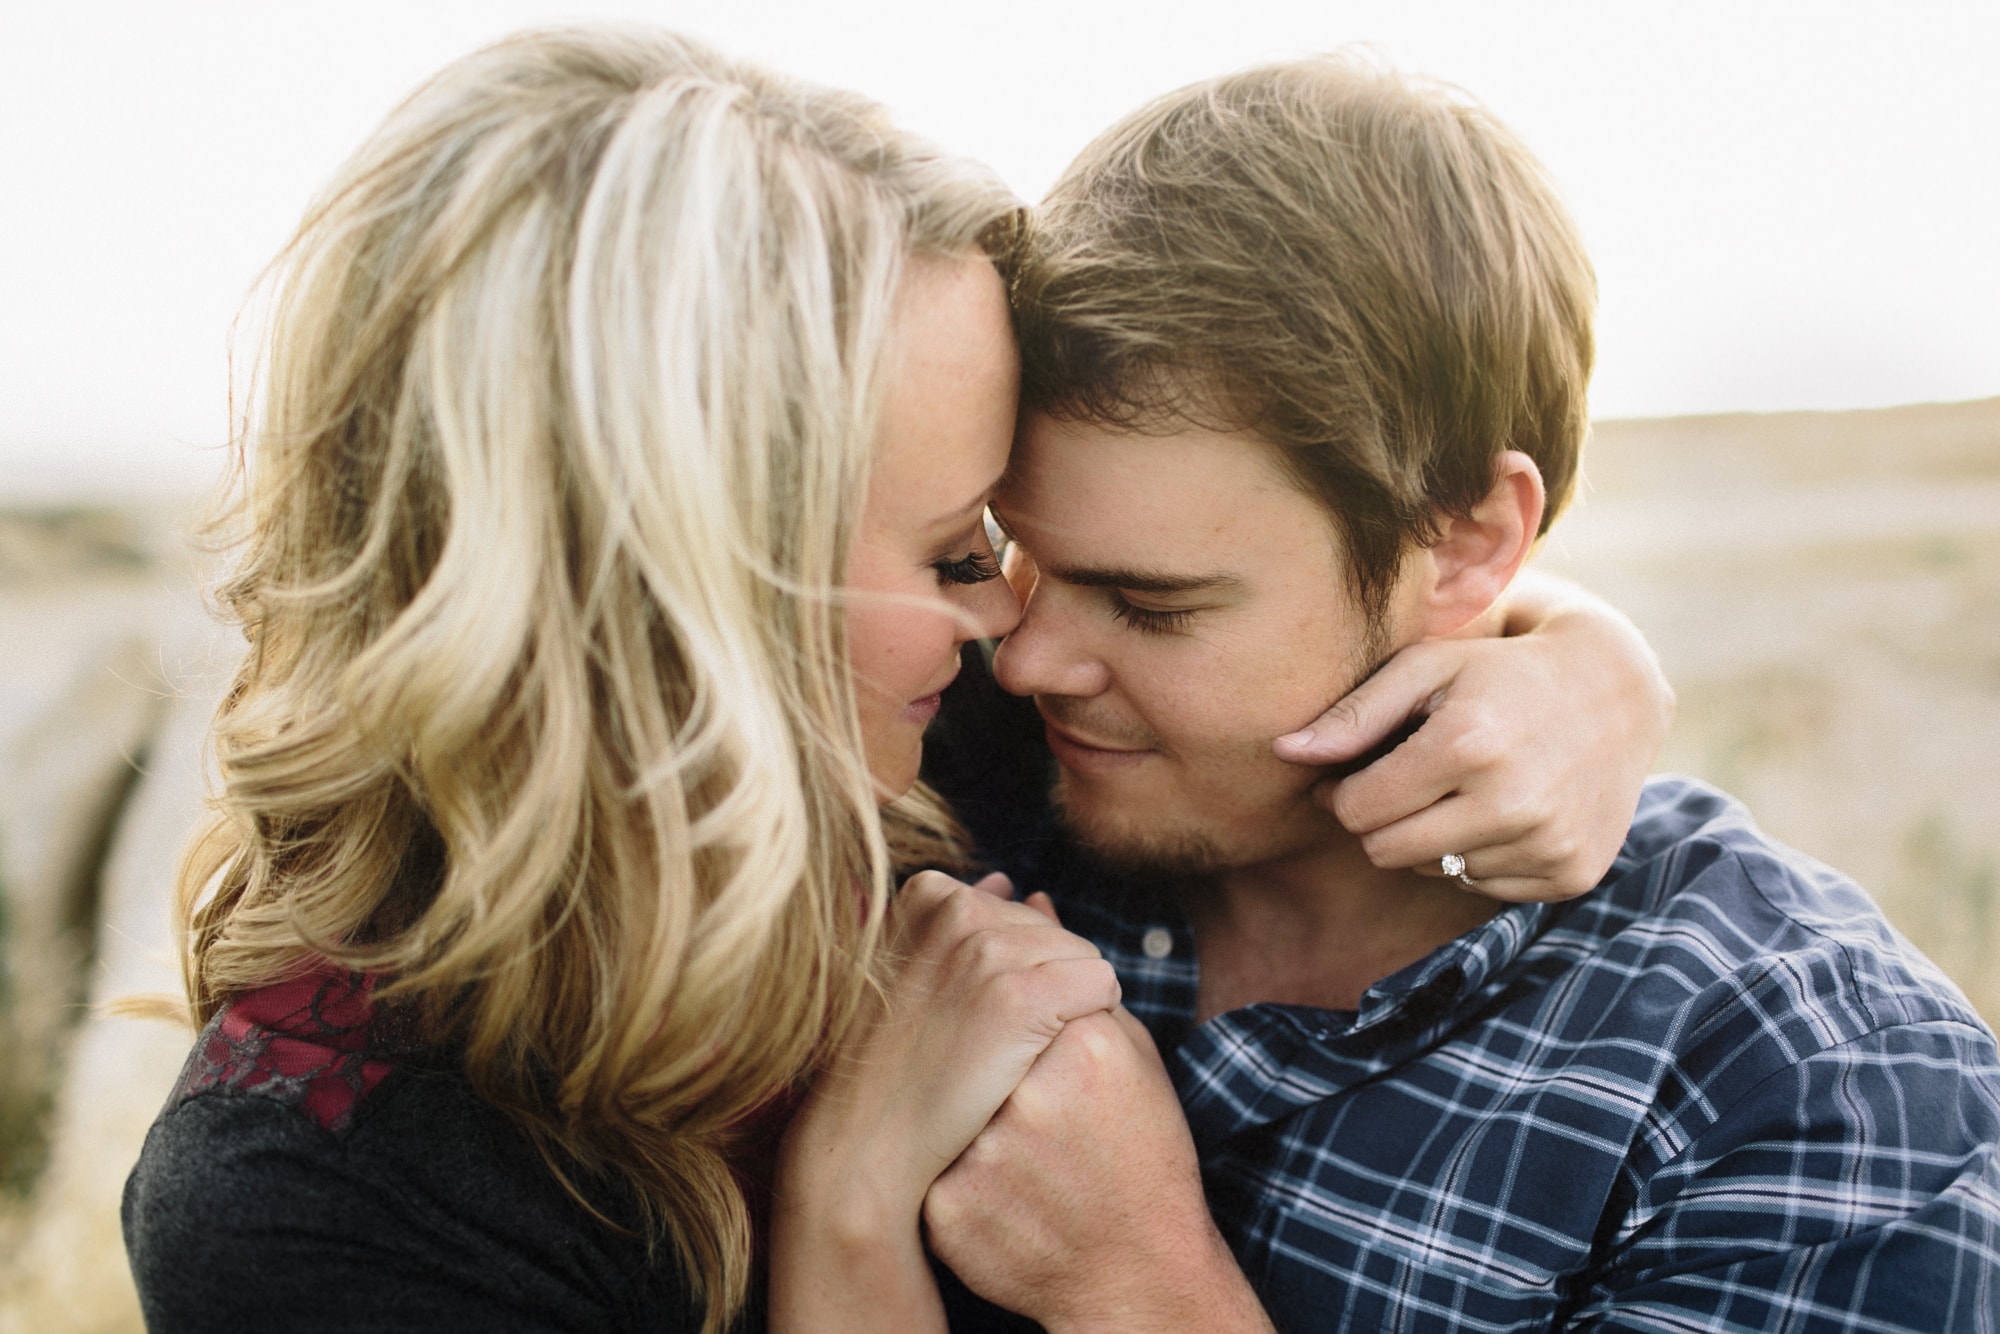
[{"x": 1134, "y": 846}]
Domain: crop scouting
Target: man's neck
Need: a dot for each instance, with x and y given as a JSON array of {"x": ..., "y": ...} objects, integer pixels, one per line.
[{"x": 1319, "y": 928}]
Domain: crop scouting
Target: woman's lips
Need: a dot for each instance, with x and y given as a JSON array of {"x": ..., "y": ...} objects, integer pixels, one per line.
[
  {"x": 921, "y": 711},
  {"x": 1082, "y": 757}
]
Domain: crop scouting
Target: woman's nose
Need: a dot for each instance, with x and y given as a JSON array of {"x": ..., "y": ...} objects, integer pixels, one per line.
[{"x": 995, "y": 608}]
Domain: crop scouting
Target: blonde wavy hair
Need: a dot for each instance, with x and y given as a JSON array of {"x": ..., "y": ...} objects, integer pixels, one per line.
[{"x": 559, "y": 441}]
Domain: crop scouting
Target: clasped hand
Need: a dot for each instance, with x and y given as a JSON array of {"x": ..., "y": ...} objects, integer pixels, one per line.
[
  {"x": 999, "y": 1067},
  {"x": 1081, "y": 1205},
  {"x": 979, "y": 987}
]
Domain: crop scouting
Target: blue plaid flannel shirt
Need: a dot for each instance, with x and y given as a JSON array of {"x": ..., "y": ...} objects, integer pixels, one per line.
[{"x": 1718, "y": 1093}]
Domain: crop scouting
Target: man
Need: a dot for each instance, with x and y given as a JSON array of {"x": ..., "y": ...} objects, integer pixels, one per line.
[{"x": 1318, "y": 328}]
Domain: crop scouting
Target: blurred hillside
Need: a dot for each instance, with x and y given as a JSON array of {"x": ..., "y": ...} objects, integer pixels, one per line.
[
  {"x": 1823, "y": 589},
  {"x": 111, "y": 670}
]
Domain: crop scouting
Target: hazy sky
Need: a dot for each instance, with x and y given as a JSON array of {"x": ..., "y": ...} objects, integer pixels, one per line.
[{"x": 1789, "y": 205}]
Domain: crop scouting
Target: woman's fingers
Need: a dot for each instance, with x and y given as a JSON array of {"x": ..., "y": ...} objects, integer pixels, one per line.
[
  {"x": 995, "y": 883},
  {"x": 1513, "y": 851},
  {"x": 1523, "y": 764},
  {"x": 1456, "y": 824},
  {"x": 1072, "y": 988},
  {"x": 962, "y": 938},
  {"x": 932, "y": 910},
  {"x": 1405, "y": 687},
  {"x": 1455, "y": 748}
]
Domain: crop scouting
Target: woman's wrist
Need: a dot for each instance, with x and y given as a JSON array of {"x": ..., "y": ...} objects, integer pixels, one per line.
[
  {"x": 1536, "y": 599},
  {"x": 1552, "y": 608},
  {"x": 846, "y": 1248},
  {"x": 837, "y": 1267},
  {"x": 848, "y": 1183}
]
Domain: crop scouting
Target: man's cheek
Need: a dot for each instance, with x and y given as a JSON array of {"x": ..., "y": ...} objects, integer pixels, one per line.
[
  {"x": 1236, "y": 753},
  {"x": 1247, "y": 787}
]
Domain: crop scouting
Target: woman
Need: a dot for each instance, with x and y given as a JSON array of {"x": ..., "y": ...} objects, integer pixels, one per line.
[
  {"x": 613, "y": 524},
  {"x": 544, "y": 738}
]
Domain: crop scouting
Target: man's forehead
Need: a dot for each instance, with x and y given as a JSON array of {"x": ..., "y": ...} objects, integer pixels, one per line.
[{"x": 1094, "y": 478}]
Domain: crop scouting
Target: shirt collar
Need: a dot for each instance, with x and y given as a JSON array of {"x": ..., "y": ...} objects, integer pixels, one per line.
[{"x": 1255, "y": 1065}]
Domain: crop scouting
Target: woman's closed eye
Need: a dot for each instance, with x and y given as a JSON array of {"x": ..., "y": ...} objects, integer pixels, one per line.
[{"x": 975, "y": 567}]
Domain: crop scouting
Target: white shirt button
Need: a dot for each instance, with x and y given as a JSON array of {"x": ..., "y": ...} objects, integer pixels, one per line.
[{"x": 1158, "y": 942}]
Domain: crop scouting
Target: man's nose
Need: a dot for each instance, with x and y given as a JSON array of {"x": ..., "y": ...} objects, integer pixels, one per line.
[{"x": 1045, "y": 654}]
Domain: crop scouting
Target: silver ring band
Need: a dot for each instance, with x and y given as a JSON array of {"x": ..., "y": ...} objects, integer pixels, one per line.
[{"x": 1453, "y": 865}]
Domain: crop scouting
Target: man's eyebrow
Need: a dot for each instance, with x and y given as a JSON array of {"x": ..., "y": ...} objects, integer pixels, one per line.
[{"x": 1143, "y": 581}]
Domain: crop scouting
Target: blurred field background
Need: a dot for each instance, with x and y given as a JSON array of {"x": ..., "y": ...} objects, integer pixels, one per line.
[
  {"x": 1823, "y": 588},
  {"x": 1824, "y": 593}
]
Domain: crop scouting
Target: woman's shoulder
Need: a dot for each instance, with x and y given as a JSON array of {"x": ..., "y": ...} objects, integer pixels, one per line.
[{"x": 314, "y": 1180}]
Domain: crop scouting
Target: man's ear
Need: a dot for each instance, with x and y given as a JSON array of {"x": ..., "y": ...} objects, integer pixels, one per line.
[{"x": 1478, "y": 554}]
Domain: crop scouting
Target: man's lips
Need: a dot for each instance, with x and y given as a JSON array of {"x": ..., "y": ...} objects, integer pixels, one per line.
[{"x": 1075, "y": 753}]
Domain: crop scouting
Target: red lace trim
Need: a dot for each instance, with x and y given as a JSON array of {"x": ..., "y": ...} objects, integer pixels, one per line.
[{"x": 304, "y": 1042}]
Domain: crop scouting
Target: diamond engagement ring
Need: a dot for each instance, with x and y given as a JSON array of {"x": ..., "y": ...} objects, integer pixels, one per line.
[{"x": 1454, "y": 865}]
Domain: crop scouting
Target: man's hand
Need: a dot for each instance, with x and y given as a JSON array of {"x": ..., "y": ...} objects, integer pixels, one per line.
[
  {"x": 1081, "y": 1206},
  {"x": 1530, "y": 757}
]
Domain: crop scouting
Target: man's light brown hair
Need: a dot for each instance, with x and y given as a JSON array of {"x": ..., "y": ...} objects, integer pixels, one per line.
[{"x": 1367, "y": 270}]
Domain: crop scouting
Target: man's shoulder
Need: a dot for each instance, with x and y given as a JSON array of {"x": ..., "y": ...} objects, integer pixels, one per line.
[{"x": 1722, "y": 940}]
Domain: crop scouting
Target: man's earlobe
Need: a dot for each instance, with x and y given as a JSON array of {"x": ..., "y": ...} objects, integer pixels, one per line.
[{"x": 1478, "y": 554}]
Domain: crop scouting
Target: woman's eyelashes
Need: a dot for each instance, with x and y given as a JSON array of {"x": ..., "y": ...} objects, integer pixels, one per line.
[
  {"x": 1148, "y": 621},
  {"x": 974, "y": 567}
]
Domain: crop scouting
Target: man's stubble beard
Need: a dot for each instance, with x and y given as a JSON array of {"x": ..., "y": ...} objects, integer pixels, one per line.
[{"x": 1137, "y": 853}]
